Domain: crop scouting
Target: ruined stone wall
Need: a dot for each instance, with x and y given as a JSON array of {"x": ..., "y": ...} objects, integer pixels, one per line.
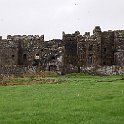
[
  {"x": 107, "y": 48},
  {"x": 52, "y": 57},
  {"x": 30, "y": 48},
  {"x": 9, "y": 70},
  {"x": 102, "y": 48},
  {"x": 81, "y": 51},
  {"x": 119, "y": 47},
  {"x": 97, "y": 34},
  {"x": 103, "y": 70},
  {"x": 71, "y": 54},
  {"x": 70, "y": 49},
  {"x": 89, "y": 48},
  {"x": 8, "y": 52}
]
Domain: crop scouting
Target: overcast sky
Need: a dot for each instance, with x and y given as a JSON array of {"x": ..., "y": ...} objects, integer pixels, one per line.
[{"x": 51, "y": 17}]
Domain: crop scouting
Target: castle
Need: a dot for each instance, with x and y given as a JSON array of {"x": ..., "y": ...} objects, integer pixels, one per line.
[{"x": 70, "y": 54}]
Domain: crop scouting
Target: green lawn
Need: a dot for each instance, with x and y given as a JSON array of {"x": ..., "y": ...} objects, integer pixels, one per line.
[{"x": 80, "y": 99}]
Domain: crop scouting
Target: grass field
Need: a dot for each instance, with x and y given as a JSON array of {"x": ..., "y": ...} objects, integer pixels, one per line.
[{"x": 79, "y": 99}]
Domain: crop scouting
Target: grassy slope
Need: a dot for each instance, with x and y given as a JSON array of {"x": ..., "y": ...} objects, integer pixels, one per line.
[{"x": 81, "y": 100}]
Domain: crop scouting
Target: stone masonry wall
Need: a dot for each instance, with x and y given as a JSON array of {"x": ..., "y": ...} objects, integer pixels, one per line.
[{"x": 72, "y": 53}]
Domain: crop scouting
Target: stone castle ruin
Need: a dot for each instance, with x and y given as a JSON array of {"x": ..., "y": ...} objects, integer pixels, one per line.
[{"x": 102, "y": 52}]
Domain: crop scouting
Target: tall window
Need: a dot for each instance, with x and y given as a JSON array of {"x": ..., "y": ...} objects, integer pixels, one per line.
[
  {"x": 90, "y": 59},
  {"x": 90, "y": 47},
  {"x": 104, "y": 49},
  {"x": 24, "y": 56}
]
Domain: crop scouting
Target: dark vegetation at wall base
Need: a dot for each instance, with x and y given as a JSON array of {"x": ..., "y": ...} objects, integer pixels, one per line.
[{"x": 73, "y": 53}]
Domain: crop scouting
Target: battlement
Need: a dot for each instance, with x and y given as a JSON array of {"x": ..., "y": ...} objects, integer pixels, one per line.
[{"x": 25, "y": 37}]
